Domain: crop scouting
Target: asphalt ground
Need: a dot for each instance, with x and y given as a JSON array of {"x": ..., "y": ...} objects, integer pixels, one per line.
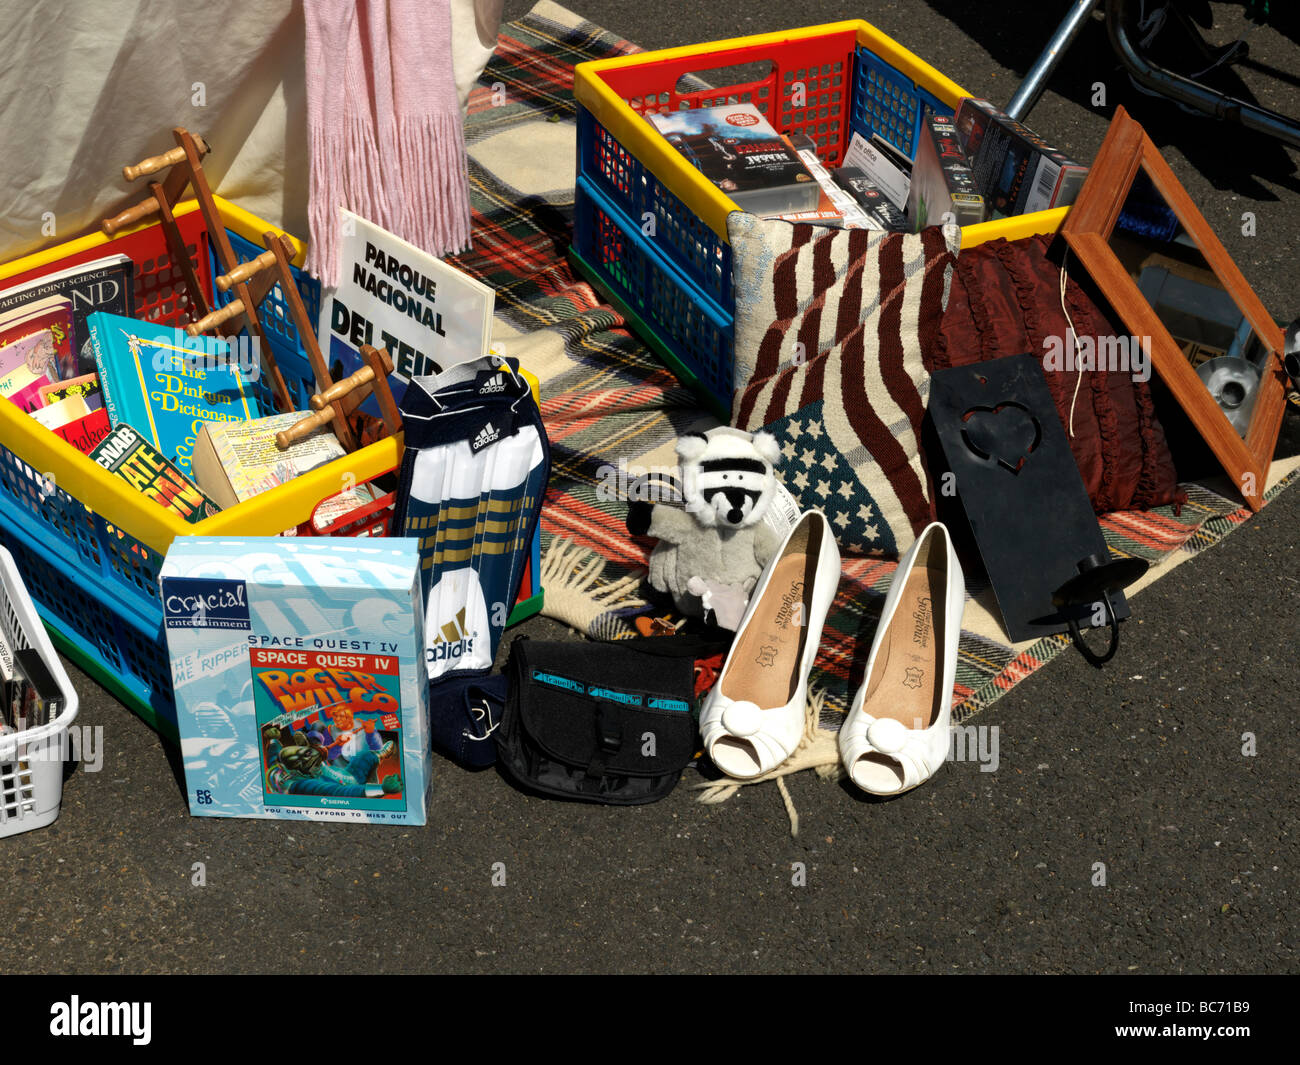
[{"x": 1138, "y": 767}]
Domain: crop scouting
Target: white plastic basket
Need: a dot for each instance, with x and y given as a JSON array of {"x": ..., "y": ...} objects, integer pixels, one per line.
[{"x": 31, "y": 761}]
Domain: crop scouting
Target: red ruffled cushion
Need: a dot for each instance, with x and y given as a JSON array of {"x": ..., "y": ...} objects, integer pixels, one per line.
[{"x": 1006, "y": 300}]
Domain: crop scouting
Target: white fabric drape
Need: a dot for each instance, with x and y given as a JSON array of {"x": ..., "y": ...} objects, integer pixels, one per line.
[{"x": 101, "y": 85}]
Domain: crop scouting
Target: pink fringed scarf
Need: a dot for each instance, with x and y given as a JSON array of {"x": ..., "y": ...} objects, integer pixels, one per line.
[{"x": 384, "y": 125}]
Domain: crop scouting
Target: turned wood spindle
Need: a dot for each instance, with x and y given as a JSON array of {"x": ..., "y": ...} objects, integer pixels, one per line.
[
  {"x": 142, "y": 210},
  {"x": 245, "y": 271},
  {"x": 308, "y": 425},
  {"x": 208, "y": 322},
  {"x": 159, "y": 162},
  {"x": 342, "y": 388}
]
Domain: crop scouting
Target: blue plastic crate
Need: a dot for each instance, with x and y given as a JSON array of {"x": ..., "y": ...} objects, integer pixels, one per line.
[
  {"x": 278, "y": 325},
  {"x": 95, "y": 586},
  {"x": 688, "y": 329},
  {"x": 646, "y": 208},
  {"x": 890, "y": 104}
]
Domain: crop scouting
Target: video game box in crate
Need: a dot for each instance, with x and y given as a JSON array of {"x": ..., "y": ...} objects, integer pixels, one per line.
[{"x": 297, "y": 666}]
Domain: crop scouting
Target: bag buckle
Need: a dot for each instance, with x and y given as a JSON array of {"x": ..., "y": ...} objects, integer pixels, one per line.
[{"x": 609, "y": 727}]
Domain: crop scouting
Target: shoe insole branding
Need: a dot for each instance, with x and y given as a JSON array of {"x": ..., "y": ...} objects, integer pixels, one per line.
[
  {"x": 791, "y": 612},
  {"x": 909, "y": 664},
  {"x": 765, "y": 665},
  {"x": 922, "y": 623}
]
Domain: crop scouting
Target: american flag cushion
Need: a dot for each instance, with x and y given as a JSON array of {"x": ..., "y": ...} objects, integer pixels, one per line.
[{"x": 830, "y": 329}]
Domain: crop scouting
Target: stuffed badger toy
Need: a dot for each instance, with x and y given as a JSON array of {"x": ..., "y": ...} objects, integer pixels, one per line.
[{"x": 710, "y": 554}]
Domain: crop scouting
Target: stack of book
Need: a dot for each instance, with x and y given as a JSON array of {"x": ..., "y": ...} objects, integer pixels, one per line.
[
  {"x": 42, "y": 331},
  {"x": 776, "y": 175},
  {"x": 737, "y": 149},
  {"x": 972, "y": 166},
  {"x": 175, "y": 416},
  {"x": 147, "y": 402},
  {"x": 235, "y": 461}
]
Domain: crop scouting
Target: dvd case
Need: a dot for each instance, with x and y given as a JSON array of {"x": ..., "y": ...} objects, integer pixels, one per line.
[
  {"x": 1016, "y": 170},
  {"x": 736, "y": 149},
  {"x": 886, "y": 167},
  {"x": 837, "y": 207},
  {"x": 871, "y": 200},
  {"x": 943, "y": 184}
]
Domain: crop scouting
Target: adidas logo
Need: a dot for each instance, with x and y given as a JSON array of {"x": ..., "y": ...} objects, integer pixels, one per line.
[
  {"x": 495, "y": 383},
  {"x": 452, "y": 640},
  {"x": 485, "y": 436}
]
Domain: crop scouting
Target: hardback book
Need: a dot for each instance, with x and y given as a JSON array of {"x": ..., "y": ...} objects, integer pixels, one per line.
[
  {"x": 736, "y": 149},
  {"x": 86, "y": 386},
  {"x": 106, "y": 284},
  {"x": 1016, "y": 170},
  {"x": 85, "y": 433},
  {"x": 234, "y": 461},
  {"x": 165, "y": 384},
  {"x": 125, "y": 453},
  {"x": 35, "y": 341},
  {"x": 943, "y": 185}
]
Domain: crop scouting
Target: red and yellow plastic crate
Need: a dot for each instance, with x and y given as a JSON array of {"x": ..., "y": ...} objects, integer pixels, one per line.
[{"x": 651, "y": 231}]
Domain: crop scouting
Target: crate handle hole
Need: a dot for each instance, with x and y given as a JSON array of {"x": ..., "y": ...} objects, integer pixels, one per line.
[{"x": 738, "y": 76}]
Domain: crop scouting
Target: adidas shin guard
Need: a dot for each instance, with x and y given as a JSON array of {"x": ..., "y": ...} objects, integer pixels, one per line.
[{"x": 473, "y": 474}]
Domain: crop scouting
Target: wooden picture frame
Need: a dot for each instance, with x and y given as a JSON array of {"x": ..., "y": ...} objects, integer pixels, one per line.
[{"x": 1087, "y": 230}]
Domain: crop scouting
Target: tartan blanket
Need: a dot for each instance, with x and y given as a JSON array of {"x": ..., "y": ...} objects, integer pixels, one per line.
[{"x": 609, "y": 406}]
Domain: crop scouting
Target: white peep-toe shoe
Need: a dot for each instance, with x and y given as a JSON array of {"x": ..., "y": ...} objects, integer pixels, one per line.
[
  {"x": 897, "y": 731},
  {"x": 753, "y": 718}
]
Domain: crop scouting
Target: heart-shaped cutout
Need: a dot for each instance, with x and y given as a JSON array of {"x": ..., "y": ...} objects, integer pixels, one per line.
[{"x": 1007, "y": 433}]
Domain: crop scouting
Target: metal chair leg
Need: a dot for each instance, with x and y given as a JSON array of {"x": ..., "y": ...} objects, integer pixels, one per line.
[
  {"x": 1192, "y": 93},
  {"x": 1036, "y": 80}
]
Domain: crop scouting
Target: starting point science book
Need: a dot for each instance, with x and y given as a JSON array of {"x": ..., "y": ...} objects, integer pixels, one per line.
[{"x": 297, "y": 670}]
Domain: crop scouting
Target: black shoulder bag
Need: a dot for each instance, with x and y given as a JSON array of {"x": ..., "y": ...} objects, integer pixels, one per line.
[{"x": 597, "y": 722}]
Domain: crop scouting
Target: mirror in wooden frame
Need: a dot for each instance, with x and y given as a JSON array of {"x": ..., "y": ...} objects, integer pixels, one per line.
[{"x": 1173, "y": 284}]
